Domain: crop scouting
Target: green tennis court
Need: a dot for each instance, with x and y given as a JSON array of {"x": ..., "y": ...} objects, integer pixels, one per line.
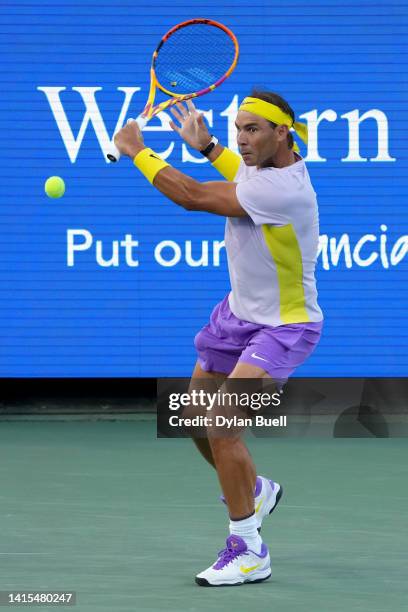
[{"x": 126, "y": 520}]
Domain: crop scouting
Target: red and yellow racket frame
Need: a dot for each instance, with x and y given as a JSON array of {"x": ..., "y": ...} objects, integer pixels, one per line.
[
  {"x": 150, "y": 110},
  {"x": 113, "y": 155}
]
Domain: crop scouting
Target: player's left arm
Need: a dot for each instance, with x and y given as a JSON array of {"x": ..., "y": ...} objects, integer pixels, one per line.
[
  {"x": 217, "y": 197},
  {"x": 214, "y": 197}
]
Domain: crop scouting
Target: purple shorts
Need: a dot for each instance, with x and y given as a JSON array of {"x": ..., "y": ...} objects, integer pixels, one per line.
[{"x": 227, "y": 340}]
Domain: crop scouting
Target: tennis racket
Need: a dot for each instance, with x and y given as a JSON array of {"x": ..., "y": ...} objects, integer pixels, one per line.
[{"x": 192, "y": 59}]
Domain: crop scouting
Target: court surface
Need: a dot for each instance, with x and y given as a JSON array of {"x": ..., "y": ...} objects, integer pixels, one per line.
[{"x": 126, "y": 520}]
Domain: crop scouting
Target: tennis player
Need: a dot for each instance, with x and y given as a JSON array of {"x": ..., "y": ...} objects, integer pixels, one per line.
[{"x": 270, "y": 322}]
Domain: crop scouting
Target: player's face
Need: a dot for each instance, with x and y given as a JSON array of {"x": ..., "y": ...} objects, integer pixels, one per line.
[{"x": 257, "y": 140}]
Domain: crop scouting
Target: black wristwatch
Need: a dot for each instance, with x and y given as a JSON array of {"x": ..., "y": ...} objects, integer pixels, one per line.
[{"x": 210, "y": 146}]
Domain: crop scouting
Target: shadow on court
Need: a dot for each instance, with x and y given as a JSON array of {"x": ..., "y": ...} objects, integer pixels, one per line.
[{"x": 126, "y": 520}]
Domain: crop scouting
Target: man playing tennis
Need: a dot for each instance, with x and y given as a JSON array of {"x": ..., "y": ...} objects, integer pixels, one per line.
[{"x": 270, "y": 322}]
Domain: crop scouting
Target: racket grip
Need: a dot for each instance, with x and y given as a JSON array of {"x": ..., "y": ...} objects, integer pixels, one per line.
[
  {"x": 113, "y": 153},
  {"x": 141, "y": 121}
]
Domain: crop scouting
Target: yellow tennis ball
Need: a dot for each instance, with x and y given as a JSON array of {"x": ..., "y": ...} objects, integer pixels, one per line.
[{"x": 54, "y": 187}]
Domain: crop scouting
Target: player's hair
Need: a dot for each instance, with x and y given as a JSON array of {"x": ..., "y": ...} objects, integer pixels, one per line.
[{"x": 274, "y": 98}]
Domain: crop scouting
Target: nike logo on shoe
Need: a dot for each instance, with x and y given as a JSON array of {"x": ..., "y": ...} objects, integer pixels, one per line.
[
  {"x": 258, "y": 506},
  {"x": 255, "y": 356},
  {"x": 246, "y": 570}
]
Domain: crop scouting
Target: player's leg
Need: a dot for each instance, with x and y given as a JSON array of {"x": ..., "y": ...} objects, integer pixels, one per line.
[
  {"x": 235, "y": 467},
  {"x": 246, "y": 557},
  {"x": 280, "y": 350},
  {"x": 273, "y": 353},
  {"x": 218, "y": 354},
  {"x": 198, "y": 379}
]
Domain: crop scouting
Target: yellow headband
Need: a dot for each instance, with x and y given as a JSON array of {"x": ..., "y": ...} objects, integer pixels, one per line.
[{"x": 273, "y": 113}]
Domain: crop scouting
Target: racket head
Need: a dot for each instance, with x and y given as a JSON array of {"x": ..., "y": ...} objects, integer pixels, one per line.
[{"x": 194, "y": 57}]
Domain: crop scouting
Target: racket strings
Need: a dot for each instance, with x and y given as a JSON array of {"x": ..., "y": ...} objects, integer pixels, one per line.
[{"x": 194, "y": 58}]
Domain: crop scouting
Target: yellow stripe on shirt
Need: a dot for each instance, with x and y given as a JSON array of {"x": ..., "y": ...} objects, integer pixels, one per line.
[{"x": 284, "y": 248}]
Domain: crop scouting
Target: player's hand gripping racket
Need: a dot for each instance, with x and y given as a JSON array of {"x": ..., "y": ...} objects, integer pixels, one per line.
[{"x": 192, "y": 59}]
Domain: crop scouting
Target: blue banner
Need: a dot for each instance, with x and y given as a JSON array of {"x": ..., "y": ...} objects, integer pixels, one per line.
[{"x": 115, "y": 280}]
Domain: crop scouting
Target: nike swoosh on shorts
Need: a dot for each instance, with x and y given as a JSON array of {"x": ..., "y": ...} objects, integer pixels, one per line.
[{"x": 255, "y": 356}]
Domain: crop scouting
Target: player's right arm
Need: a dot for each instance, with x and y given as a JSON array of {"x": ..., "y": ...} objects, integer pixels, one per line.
[{"x": 194, "y": 132}]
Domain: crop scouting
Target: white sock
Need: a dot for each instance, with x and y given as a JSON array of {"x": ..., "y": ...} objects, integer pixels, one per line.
[{"x": 247, "y": 530}]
